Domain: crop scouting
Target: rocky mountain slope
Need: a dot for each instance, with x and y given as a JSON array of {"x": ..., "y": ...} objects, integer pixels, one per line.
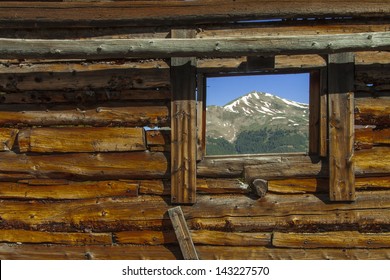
[{"x": 260, "y": 121}]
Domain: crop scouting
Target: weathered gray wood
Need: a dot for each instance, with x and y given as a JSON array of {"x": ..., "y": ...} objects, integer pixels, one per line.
[
  {"x": 158, "y": 13},
  {"x": 261, "y": 187},
  {"x": 188, "y": 47},
  {"x": 183, "y": 126},
  {"x": 341, "y": 127},
  {"x": 182, "y": 233}
]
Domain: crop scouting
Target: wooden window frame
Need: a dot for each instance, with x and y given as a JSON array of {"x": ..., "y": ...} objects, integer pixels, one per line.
[{"x": 317, "y": 111}]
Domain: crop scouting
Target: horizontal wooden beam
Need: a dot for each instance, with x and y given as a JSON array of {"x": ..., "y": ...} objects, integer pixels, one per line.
[
  {"x": 152, "y": 13},
  {"x": 82, "y": 139},
  {"x": 173, "y": 47}
]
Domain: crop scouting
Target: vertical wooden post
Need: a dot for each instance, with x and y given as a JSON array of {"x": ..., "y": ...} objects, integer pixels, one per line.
[
  {"x": 341, "y": 126},
  {"x": 323, "y": 148},
  {"x": 201, "y": 116},
  {"x": 183, "y": 126},
  {"x": 182, "y": 233}
]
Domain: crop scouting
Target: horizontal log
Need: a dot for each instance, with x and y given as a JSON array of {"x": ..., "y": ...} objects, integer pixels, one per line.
[
  {"x": 204, "y": 237},
  {"x": 266, "y": 253},
  {"x": 309, "y": 212},
  {"x": 104, "y": 114},
  {"x": 335, "y": 239},
  {"x": 87, "y": 166},
  {"x": 68, "y": 238},
  {"x": 130, "y": 252},
  {"x": 233, "y": 166},
  {"x": 62, "y": 189},
  {"x": 147, "y": 13},
  {"x": 368, "y": 137},
  {"x": 7, "y": 138},
  {"x": 318, "y": 26},
  {"x": 83, "y": 76},
  {"x": 288, "y": 165},
  {"x": 312, "y": 185},
  {"x": 220, "y": 47},
  {"x": 82, "y": 97},
  {"x": 372, "y": 111},
  {"x": 94, "y": 252},
  {"x": 81, "y": 139}
]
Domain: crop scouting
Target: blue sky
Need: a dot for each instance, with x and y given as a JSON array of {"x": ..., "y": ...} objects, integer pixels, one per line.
[{"x": 222, "y": 90}]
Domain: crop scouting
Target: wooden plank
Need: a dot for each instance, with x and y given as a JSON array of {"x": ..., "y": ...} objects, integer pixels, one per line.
[
  {"x": 183, "y": 126},
  {"x": 182, "y": 233},
  {"x": 146, "y": 237},
  {"x": 314, "y": 113},
  {"x": 335, "y": 239},
  {"x": 7, "y": 138},
  {"x": 189, "y": 47},
  {"x": 96, "y": 166},
  {"x": 103, "y": 114},
  {"x": 201, "y": 116},
  {"x": 68, "y": 238},
  {"x": 157, "y": 13},
  {"x": 81, "y": 139},
  {"x": 62, "y": 189},
  {"x": 341, "y": 127},
  {"x": 323, "y": 126}
]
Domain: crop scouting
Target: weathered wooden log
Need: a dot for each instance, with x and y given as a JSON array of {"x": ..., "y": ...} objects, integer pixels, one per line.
[
  {"x": 130, "y": 252},
  {"x": 309, "y": 212},
  {"x": 372, "y": 111},
  {"x": 204, "y": 237},
  {"x": 130, "y": 165},
  {"x": 68, "y": 238},
  {"x": 288, "y": 166},
  {"x": 260, "y": 186},
  {"x": 158, "y": 139},
  {"x": 95, "y": 252},
  {"x": 7, "y": 138},
  {"x": 81, "y": 139},
  {"x": 84, "y": 97},
  {"x": 104, "y": 114},
  {"x": 138, "y": 13},
  {"x": 312, "y": 185},
  {"x": 83, "y": 76},
  {"x": 366, "y": 138},
  {"x": 220, "y": 47},
  {"x": 62, "y": 189},
  {"x": 335, "y": 239}
]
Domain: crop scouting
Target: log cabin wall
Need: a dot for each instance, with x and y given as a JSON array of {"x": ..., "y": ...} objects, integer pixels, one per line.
[{"x": 81, "y": 177}]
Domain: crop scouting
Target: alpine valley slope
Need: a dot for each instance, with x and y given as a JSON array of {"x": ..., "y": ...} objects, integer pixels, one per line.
[{"x": 257, "y": 122}]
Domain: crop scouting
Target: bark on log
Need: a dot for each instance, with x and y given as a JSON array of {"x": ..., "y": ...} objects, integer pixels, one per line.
[
  {"x": 164, "y": 48},
  {"x": 336, "y": 239},
  {"x": 366, "y": 138},
  {"x": 81, "y": 139},
  {"x": 146, "y": 13},
  {"x": 87, "y": 166},
  {"x": 104, "y": 114}
]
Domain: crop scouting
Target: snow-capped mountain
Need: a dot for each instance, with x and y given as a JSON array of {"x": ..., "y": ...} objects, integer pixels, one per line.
[{"x": 254, "y": 111}]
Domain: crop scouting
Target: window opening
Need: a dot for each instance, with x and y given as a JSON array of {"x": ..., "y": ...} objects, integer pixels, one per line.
[{"x": 257, "y": 114}]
